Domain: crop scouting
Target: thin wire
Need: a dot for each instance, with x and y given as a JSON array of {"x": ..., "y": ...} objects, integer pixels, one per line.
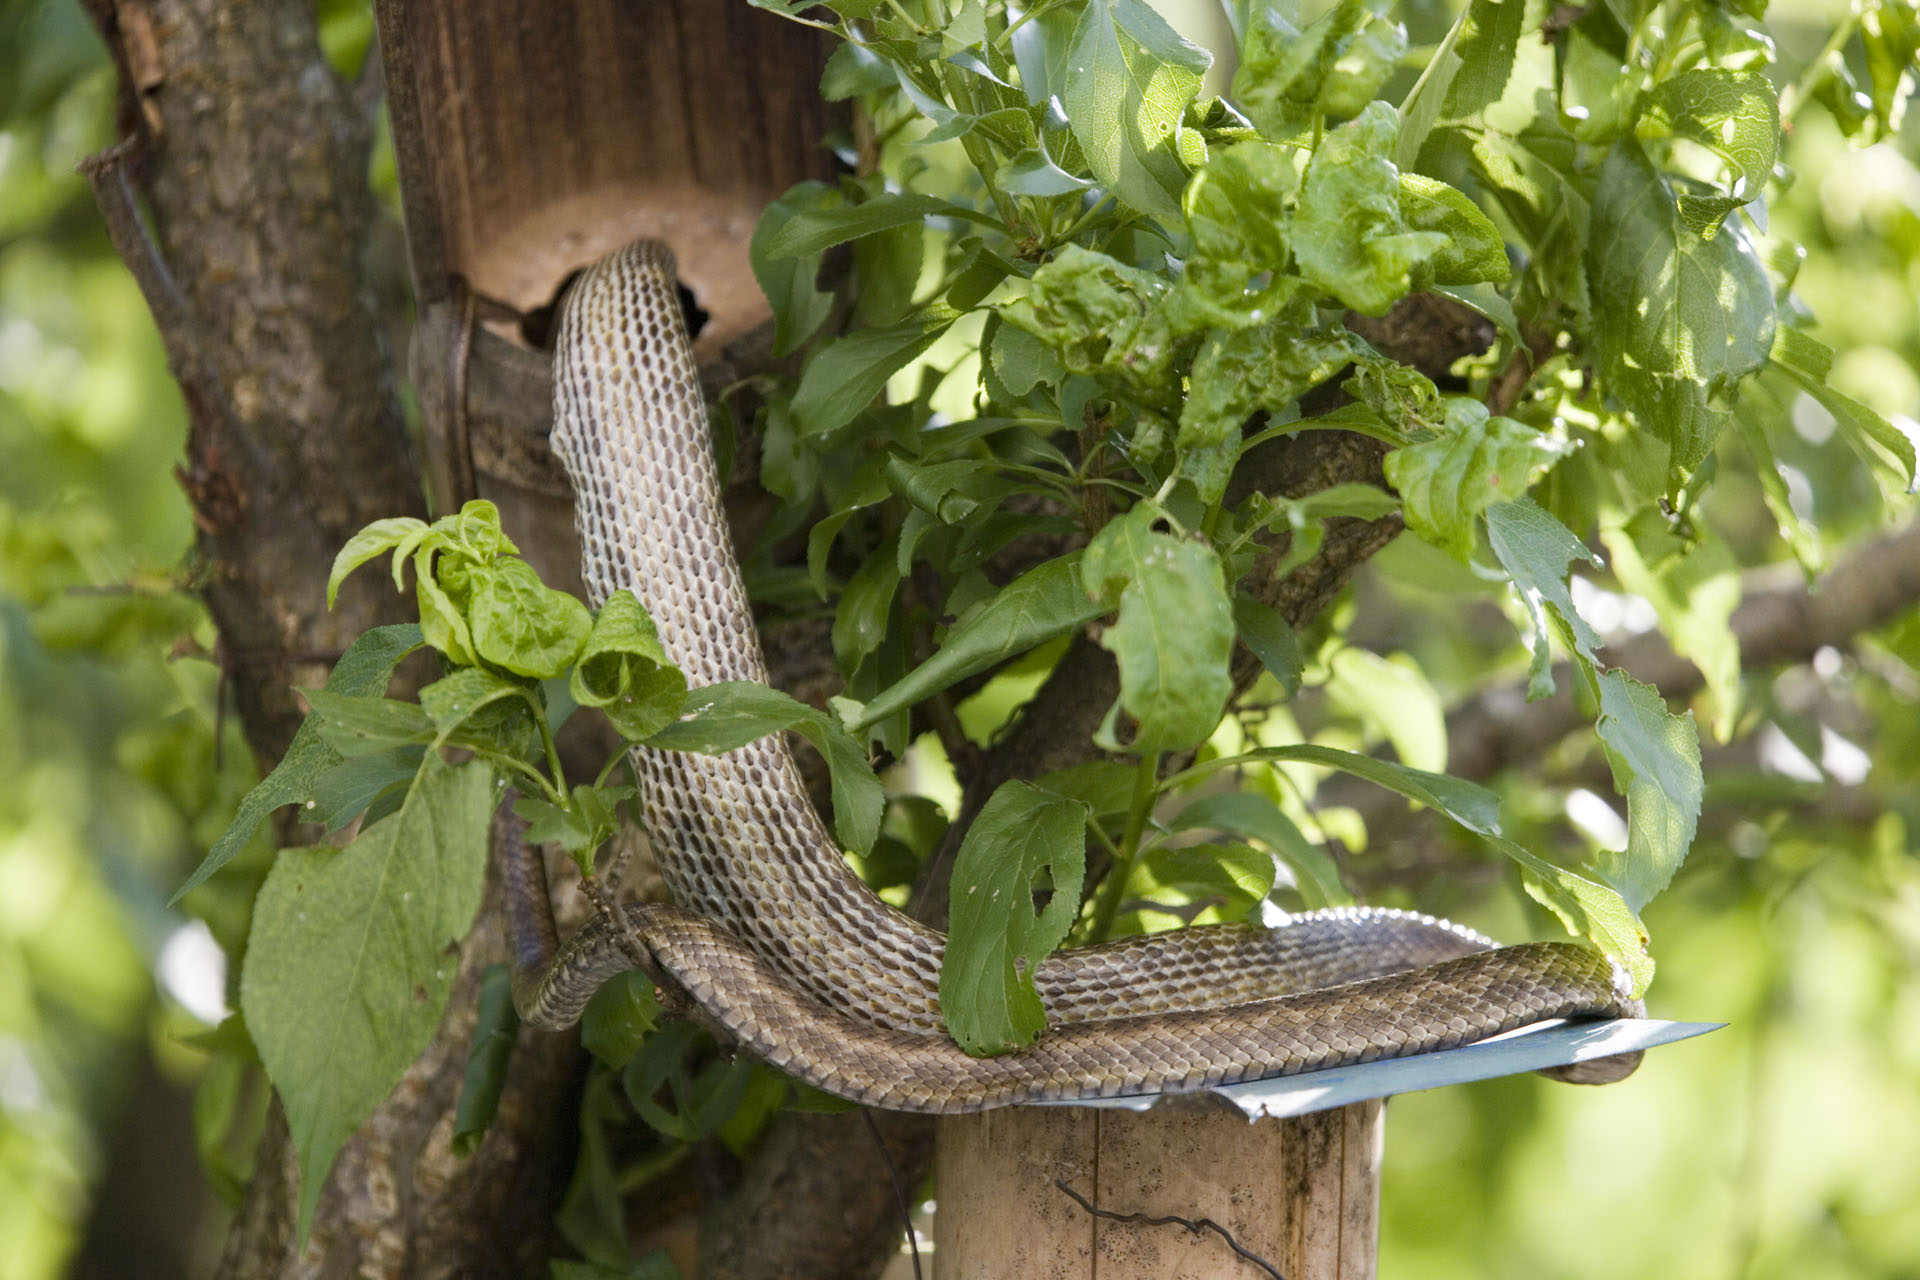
[
  {"x": 1194, "y": 1225},
  {"x": 899, "y": 1191}
]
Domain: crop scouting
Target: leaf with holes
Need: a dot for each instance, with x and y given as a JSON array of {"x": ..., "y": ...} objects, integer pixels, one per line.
[{"x": 1026, "y": 841}]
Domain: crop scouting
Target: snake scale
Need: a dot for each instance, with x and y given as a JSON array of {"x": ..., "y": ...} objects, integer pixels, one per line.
[{"x": 780, "y": 945}]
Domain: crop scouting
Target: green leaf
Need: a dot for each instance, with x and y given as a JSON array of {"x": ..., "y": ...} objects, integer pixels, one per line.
[
  {"x": 1255, "y": 817},
  {"x": 1131, "y": 79},
  {"x": 1447, "y": 481},
  {"x": 494, "y": 1030},
  {"x": 720, "y": 717},
  {"x": 1589, "y": 910},
  {"x": 1046, "y": 601},
  {"x": 520, "y": 624},
  {"x": 442, "y": 620},
  {"x": 1024, "y": 841},
  {"x": 1473, "y": 253},
  {"x": 377, "y": 538},
  {"x": 854, "y": 69},
  {"x": 1173, "y": 636},
  {"x": 619, "y": 1017},
  {"x": 1033, "y": 173},
  {"x": 1733, "y": 114},
  {"x": 358, "y": 726},
  {"x": 363, "y": 671},
  {"x": 1488, "y": 45},
  {"x": 1288, "y": 77},
  {"x": 1890, "y": 41},
  {"x": 359, "y": 785},
  {"x": 1535, "y": 549},
  {"x": 799, "y": 306},
  {"x": 624, "y": 671},
  {"x": 1349, "y": 233},
  {"x": 1656, "y": 764},
  {"x": 1199, "y": 884},
  {"x": 587, "y": 822},
  {"x": 1106, "y": 319},
  {"x": 1021, "y": 361},
  {"x": 1263, "y": 630},
  {"x": 809, "y": 232},
  {"x": 351, "y": 957},
  {"x": 1676, "y": 318},
  {"x": 454, "y": 700},
  {"x": 1472, "y": 806},
  {"x": 866, "y": 606},
  {"x": 844, "y": 375},
  {"x": 1881, "y": 445}
]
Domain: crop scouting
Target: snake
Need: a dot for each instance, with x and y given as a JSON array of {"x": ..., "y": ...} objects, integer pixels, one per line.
[{"x": 780, "y": 947}]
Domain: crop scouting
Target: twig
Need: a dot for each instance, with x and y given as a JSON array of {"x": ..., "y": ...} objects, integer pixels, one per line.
[
  {"x": 899, "y": 1190},
  {"x": 1196, "y": 1226}
]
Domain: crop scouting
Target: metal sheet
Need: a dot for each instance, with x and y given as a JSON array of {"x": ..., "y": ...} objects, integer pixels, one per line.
[{"x": 1545, "y": 1044}]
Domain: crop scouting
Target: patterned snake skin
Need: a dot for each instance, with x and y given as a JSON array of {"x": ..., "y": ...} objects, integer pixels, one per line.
[{"x": 783, "y": 948}]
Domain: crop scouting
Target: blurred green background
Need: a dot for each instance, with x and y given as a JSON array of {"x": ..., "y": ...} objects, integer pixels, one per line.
[{"x": 1786, "y": 1145}]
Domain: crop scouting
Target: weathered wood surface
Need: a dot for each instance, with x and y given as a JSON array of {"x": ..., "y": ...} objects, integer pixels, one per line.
[{"x": 1302, "y": 1194}]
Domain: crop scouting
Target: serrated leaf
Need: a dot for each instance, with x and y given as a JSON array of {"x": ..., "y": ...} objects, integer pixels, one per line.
[
  {"x": 363, "y": 671},
  {"x": 1535, "y": 549},
  {"x": 522, "y": 625},
  {"x": 1487, "y": 48},
  {"x": 1173, "y": 635},
  {"x": 1656, "y": 764},
  {"x": 1131, "y": 79},
  {"x": 720, "y": 717},
  {"x": 1044, "y": 602},
  {"x": 624, "y": 671},
  {"x": 1025, "y": 838},
  {"x": 1589, "y": 910},
  {"x": 1446, "y": 482},
  {"x": 1348, "y": 232},
  {"x": 844, "y": 375},
  {"x": 350, "y": 958},
  {"x": 1675, "y": 318}
]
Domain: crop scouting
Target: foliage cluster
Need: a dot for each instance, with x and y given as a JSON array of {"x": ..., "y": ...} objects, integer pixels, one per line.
[
  {"x": 1077, "y": 278},
  {"x": 1155, "y": 285}
]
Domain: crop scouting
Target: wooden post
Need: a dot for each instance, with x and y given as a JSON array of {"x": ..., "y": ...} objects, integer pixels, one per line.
[{"x": 1300, "y": 1196}]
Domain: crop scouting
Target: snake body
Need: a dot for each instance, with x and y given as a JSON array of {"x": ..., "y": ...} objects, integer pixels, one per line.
[{"x": 781, "y": 945}]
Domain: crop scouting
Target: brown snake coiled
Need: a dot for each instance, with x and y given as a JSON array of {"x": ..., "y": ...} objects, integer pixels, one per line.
[{"x": 779, "y": 943}]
